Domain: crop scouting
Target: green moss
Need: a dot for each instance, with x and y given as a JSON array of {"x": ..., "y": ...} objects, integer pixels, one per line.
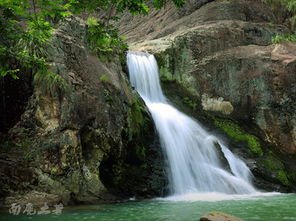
[
  {"x": 136, "y": 119},
  {"x": 141, "y": 153},
  {"x": 238, "y": 134},
  {"x": 165, "y": 68},
  {"x": 292, "y": 176},
  {"x": 190, "y": 103},
  {"x": 283, "y": 38},
  {"x": 104, "y": 78},
  {"x": 275, "y": 166},
  {"x": 165, "y": 77},
  {"x": 283, "y": 178},
  {"x": 272, "y": 163}
]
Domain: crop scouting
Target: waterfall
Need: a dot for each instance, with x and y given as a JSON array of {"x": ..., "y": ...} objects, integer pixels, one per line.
[{"x": 193, "y": 155}]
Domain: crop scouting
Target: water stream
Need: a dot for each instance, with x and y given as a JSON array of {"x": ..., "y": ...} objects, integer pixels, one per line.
[{"x": 194, "y": 161}]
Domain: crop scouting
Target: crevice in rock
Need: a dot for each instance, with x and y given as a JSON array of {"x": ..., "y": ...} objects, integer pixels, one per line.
[{"x": 14, "y": 96}]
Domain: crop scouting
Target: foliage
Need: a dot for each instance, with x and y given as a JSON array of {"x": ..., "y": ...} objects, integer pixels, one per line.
[
  {"x": 50, "y": 82},
  {"x": 190, "y": 103},
  {"x": 103, "y": 39},
  {"x": 238, "y": 134},
  {"x": 25, "y": 37},
  {"x": 115, "y": 7},
  {"x": 27, "y": 27},
  {"x": 286, "y": 10},
  {"x": 10, "y": 32},
  {"x": 283, "y": 38}
]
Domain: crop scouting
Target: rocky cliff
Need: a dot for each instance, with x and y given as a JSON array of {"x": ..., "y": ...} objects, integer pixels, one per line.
[
  {"x": 218, "y": 63},
  {"x": 89, "y": 137},
  {"x": 86, "y": 138}
]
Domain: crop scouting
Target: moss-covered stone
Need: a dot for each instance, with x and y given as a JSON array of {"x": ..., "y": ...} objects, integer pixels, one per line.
[
  {"x": 283, "y": 178},
  {"x": 190, "y": 103},
  {"x": 234, "y": 131},
  {"x": 141, "y": 153},
  {"x": 277, "y": 168},
  {"x": 292, "y": 176},
  {"x": 272, "y": 163},
  {"x": 136, "y": 117}
]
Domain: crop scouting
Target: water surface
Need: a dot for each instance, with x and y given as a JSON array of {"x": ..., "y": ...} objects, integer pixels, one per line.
[{"x": 268, "y": 208}]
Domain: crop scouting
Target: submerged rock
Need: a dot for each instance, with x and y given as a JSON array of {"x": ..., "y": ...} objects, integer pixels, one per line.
[{"x": 219, "y": 216}]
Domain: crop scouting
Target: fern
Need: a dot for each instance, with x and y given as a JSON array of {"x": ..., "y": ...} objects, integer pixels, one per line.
[{"x": 50, "y": 83}]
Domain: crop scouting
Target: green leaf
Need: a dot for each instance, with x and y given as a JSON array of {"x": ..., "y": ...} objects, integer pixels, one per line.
[{"x": 12, "y": 73}]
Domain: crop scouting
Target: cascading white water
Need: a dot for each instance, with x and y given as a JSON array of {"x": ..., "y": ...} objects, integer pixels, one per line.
[{"x": 193, "y": 157}]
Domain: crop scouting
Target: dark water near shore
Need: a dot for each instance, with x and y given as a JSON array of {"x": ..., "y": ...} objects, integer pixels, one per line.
[{"x": 265, "y": 208}]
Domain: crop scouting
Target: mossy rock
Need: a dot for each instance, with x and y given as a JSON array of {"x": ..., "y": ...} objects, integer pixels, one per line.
[
  {"x": 235, "y": 132},
  {"x": 283, "y": 178},
  {"x": 276, "y": 167},
  {"x": 136, "y": 118},
  {"x": 272, "y": 163},
  {"x": 141, "y": 153},
  {"x": 292, "y": 176},
  {"x": 190, "y": 103}
]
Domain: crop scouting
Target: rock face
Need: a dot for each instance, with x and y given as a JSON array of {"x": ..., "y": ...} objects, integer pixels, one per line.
[
  {"x": 84, "y": 138},
  {"x": 218, "y": 60},
  {"x": 89, "y": 137},
  {"x": 218, "y": 216}
]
